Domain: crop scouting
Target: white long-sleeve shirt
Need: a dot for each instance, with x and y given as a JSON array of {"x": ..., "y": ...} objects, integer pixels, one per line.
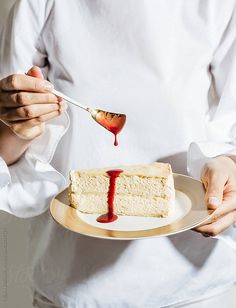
[{"x": 171, "y": 67}]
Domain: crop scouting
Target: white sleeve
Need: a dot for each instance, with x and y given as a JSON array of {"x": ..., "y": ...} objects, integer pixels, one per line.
[
  {"x": 27, "y": 186},
  {"x": 221, "y": 118}
]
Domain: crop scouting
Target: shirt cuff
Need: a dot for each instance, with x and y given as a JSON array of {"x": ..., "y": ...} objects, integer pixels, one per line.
[
  {"x": 33, "y": 185},
  {"x": 44, "y": 146},
  {"x": 201, "y": 152},
  {"x": 5, "y": 177},
  {"x": 28, "y": 186}
]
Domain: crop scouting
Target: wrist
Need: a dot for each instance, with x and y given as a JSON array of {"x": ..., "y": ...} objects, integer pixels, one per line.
[
  {"x": 222, "y": 162},
  {"x": 233, "y": 157},
  {"x": 8, "y": 140},
  {"x": 227, "y": 158}
]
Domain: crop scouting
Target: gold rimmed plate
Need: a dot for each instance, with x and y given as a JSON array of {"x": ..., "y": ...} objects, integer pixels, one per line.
[{"x": 190, "y": 211}]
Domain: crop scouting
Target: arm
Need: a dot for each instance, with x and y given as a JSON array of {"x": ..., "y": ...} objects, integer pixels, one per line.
[{"x": 7, "y": 139}]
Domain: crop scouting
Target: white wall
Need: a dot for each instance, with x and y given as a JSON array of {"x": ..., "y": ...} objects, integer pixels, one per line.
[{"x": 14, "y": 286}]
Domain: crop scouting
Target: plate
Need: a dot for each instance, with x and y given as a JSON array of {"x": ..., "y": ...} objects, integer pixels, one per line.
[{"x": 190, "y": 212}]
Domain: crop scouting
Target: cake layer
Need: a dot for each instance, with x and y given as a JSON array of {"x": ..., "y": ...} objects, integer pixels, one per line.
[
  {"x": 123, "y": 205},
  {"x": 136, "y": 185}
]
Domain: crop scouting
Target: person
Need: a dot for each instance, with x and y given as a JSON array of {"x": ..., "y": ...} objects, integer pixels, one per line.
[{"x": 170, "y": 66}]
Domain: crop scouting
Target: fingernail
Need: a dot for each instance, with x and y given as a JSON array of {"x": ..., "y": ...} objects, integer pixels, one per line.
[
  {"x": 47, "y": 86},
  {"x": 214, "y": 201}
]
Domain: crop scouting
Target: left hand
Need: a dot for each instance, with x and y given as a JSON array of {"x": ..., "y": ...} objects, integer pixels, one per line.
[{"x": 219, "y": 179}]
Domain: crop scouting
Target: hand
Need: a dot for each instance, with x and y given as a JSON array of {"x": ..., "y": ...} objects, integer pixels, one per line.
[
  {"x": 219, "y": 179},
  {"x": 26, "y": 104}
]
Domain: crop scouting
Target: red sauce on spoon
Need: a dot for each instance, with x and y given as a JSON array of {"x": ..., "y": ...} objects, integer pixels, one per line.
[
  {"x": 114, "y": 122},
  {"x": 110, "y": 216}
]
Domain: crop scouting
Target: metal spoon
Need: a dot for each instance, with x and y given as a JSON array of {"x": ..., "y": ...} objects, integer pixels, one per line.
[{"x": 114, "y": 122}]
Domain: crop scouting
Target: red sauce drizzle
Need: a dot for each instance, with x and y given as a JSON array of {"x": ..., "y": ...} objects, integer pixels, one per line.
[{"x": 110, "y": 216}]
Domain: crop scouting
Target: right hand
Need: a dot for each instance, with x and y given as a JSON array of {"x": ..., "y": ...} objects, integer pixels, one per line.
[{"x": 26, "y": 103}]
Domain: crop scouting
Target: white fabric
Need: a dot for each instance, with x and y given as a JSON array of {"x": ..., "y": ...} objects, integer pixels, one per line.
[
  {"x": 5, "y": 177},
  {"x": 150, "y": 60},
  {"x": 226, "y": 298}
]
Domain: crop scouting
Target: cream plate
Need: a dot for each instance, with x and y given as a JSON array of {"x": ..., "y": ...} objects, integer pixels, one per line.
[{"x": 190, "y": 212}]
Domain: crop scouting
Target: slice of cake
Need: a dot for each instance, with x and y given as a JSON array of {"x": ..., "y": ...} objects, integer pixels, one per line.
[{"x": 144, "y": 190}]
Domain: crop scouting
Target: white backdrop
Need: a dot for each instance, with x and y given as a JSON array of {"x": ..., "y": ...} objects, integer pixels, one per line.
[{"x": 14, "y": 286}]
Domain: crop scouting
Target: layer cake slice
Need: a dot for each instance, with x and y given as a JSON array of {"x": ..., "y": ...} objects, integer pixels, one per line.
[{"x": 143, "y": 190}]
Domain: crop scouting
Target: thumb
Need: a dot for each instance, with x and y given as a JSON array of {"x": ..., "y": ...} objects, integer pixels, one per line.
[
  {"x": 36, "y": 72},
  {"x": 215, "y": 190}
]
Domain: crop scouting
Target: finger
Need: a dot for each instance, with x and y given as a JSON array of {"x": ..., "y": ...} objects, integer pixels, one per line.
[
  {"x": 22, "y": 123},
  {"x": 18, "y": 82},
  {"x": 215, "y": 182},
  {"x": 219, "y": 226},
  {"x": 21, "y": 126},
  {"x": 8, "y": 99},
  {"x": 31, "y": 129},
  {"x": 29, "y": 112},
  {"x": 227, "y": 206},
  {"x": 35, "y": 71}
]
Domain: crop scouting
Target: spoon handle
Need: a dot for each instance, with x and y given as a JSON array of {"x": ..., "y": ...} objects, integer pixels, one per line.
[{"x": 70, "y": 100}]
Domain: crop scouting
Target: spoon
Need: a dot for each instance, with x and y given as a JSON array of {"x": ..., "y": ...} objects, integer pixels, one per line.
[{"x": 114, "y": 122}]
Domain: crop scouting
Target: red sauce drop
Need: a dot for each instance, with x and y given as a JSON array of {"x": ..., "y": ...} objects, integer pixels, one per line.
[
  {"x": 115, "y": 131},
  {"x": 110, "y": 216},
  {"x": 115, "y": 141}
]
